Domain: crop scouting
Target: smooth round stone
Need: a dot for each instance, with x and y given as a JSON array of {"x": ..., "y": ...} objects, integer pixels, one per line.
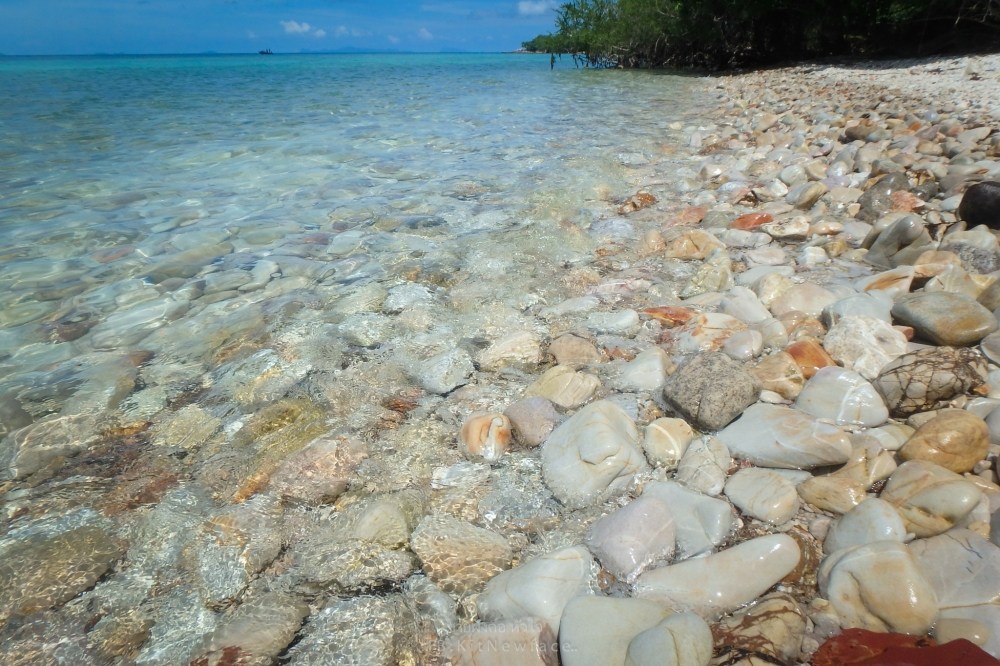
[
  {"x": 962, "y": 567},
  {"x": 701, "y": 522},
  {"x": 683, "y": 639},
  {"x": 533, "y": 419},
  {"x": 780, "y": 374},
  {"x": 810, "y": 356},
  {"x": 955, "y": 439},
  {"x": 458, "y": 556},
  {"x": 776, "y": 436},
  {"x": 665, "y": 441},
  {"x": 564, "y": 386},
  {"x": 518, "y": 349},
  {"x": 573, "y": 351},
  {"x": 986, "y": 615},
  {"x": 769, "y": 255},
  {"x": 688, "y": 243},
  {"x": 446, "y": 371},
  {"x": 836, "y": 494},
  {"x": 945, "y": 318},
  {"x": 807, "y": 298},
  {"x": 878, "y": 587},
  {"x": 953, "y": 629},
  {"x": 630, "y": 539},
  {"x": 763, "y": 494},
  {"x": 646, "y": 372},
  {"x": 717, "y": 584},
  {"x": 704, "y": 466},
  {"x": 486, "y": 437},
  {"x": 900, "y": 243},
  {"x": 593, "y": 455},
  {"x": 842, "y": 396},
  {"x": 872, "y": 520},
  {"x": 743, "y": 304},
  {"x": 598, "y": 630},
  {"x": 929, "y": 498},
  {"x": 538, "y": 588},
  {"x": 894, "y": 281},
  {"x": 622, "y": 322},
  {"x": 869, "y": 462},
  {"x": 743, "y": 345},
  {"x": 864, "y": 344},
  {"x": 990, "y": 346}
]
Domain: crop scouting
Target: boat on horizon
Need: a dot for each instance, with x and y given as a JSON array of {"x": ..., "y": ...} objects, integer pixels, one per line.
[{"x": 266, "y": 52}]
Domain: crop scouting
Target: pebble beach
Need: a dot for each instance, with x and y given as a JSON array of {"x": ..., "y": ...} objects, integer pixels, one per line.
[{"x": 738, "y": 401}]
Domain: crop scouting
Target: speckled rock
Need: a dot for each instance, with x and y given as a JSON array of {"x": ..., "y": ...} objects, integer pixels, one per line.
[
  {"x": 954, "y": 438},
  {"x": 538, "y": 588},
  {"x": 945, "y": 318},
  {"x": 593, "y": 455},
  {"x": 711, "y": 390},
  {"x": 457, "y": 556},
  {"x": 714, "y": 585},
  {"x": 878, "y": 586},
  {"x": 928, "y": 378}
]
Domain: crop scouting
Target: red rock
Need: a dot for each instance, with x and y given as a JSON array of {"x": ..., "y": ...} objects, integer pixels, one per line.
[
  {"x": 640, "y": 200},
  {"x": 751, "y": 221},
  {"x": 688, "y": 217},
  {"x": 959, "y": 652},
  {"x": 810, "y": 356},
  {"x": 857, "y": 646},
  {"x": 669, "y": 315}
]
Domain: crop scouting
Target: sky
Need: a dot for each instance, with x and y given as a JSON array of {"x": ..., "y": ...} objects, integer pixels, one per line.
[{"x": 65, "y": 27}]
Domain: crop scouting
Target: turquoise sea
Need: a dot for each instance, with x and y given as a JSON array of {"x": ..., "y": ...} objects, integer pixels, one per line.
[{"x": 199, "y": 252}]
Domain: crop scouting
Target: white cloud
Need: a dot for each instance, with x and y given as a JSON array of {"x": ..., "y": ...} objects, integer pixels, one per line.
[
  {"x": 344, "y": 31},
  {"x": 535, "y": 7},
  {"x": 425, "y": 34},
  {"x": 296, "y": 28}
]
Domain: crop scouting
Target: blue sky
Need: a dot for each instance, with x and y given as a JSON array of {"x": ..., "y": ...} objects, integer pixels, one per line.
[{"x": 35, "y": 27}]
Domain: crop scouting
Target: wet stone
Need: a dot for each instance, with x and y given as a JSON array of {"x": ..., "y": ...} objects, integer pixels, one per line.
[
  {"x": 459, "y": 557},
  {"x": 929, "y": 378},
  {"x": 945, "y": 318}
]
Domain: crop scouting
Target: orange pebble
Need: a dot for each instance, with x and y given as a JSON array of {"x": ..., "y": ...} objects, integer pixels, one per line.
[
  {"x": 810, "y": 356},
  {"x": 751, "y": 221}
]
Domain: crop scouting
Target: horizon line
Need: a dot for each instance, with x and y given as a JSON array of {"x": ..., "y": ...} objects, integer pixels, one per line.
[{"x": 344, "y": 51}]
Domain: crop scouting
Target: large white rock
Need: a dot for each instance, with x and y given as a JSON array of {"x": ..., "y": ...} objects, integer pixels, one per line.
[
  {"x": 844, "y": 397},
  {"x": 539, "y": 588},
  {"x": 764, "y": 494},
  {"x": 564, "y": 386},
  {"x": 961, "y": 566},
  {"x": 872, "y": 520},
  {"x": 683, "y": 639},
  {"x": 704, "y": 466},
  {"x": 701, "y": 522},
  {"x": 628, "y": 540},
  {"x": 878, "y": 587},
  {"x": 864, "y": 344},
  {"x": 776, "y": 436},
  {"x": 646, "y": 372},
  {"x": 714, "y": 585},
  {"x": 598, "y": 630},
  {"x": 930, "y": 498},
  {"x": 593, "y": 455}
]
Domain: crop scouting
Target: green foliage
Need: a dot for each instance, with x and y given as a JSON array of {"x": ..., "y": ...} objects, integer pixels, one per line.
[{"x": 729, "y": 33}]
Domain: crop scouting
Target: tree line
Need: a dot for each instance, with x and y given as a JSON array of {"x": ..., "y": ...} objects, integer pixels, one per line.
[{"x": 718, "y": 34}]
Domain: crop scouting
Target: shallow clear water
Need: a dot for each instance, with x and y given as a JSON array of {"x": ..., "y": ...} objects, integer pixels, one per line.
[
  {"x": 208, "y": 262},
  {"x": 114, "y": 165}
]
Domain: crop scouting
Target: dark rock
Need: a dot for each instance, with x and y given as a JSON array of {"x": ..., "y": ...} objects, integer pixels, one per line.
[
  {"x": 900, "y": 243},
  {"x": 981, "y": 205},
  {"x": 929, "y": 378},
  {"x": 711, "y": 390},
  {"x": 877, "y": 199}
]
